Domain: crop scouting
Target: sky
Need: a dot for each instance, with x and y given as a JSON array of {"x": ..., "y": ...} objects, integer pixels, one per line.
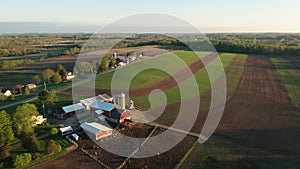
[{"x": 209, "y": 15}]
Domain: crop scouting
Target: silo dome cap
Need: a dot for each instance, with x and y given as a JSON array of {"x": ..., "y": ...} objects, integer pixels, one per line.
[{"x": 122, "y": 94}]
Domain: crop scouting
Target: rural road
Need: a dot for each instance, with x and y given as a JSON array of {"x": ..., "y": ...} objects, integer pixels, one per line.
[{"x": 69, "y": 85}]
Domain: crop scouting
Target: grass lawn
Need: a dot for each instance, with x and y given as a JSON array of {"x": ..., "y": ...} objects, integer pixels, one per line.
[
  {"x": 40, "y": 130},
  {"x": 9, "y": 80},
  {"x": 63, "y": 100},
  {"x": 289, "y": 78},
  {"x": 173, "y": 94},
  {"x": 151, "y": 75}
]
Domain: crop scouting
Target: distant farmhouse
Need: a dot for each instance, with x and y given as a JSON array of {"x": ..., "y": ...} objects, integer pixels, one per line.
[{"x": 7, "y": 93}]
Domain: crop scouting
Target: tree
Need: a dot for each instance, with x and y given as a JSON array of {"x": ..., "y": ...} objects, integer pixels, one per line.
[
  {"x": 6, "y": 134},
  {"x": 47, "y": 74},
  {"x": 104, "y": 63},
  {"x": 36, "y": 79},
  {"x": 21, "y": 160},
  {"x": 19, "y": 88},
  {"x": 30, "y": 142},
  {"x": 53, "y": 131},
  {"x": 61, "y": 70},
  {"x": 56, "y": 78},
  {"x": 22, "y": 118},
  {"x": 48, "y": 98},
  {"x": 27, "y": 90},
  {"x": 52, "y": 147},
  {"x": 84, "y": 69},
  {"x": 3, "y": 97}
]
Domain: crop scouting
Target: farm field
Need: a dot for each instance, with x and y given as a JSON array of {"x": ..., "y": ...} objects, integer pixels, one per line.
[
  {"x": 258, "y": 126},
  {"x": 149, "y": 76},
  {"x": 289, "y": 78},
  {"x": 19, "y": 78},
  {"x": 69, "y": 61}
]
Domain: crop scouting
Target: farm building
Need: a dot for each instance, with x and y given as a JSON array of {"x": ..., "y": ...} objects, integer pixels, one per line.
[
  {"x": 68, "y": 76},
  {"x": 70, "y": 110},
  {"x": 31, "y": 86},
  {"x": 39, "y": 119},
  {"x": 96, "y": 130},
  {"x": 88, "y": 101},
  {"x": 66, "y": 130},
  {"x": 101, "y": 105},
  {"x": 119, "y": 115},
  {"x": 75, "y": 136},
  {"x": 99, "y": 109}
]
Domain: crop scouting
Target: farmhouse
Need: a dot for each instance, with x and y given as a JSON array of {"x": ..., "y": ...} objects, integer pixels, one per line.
[
  {"x": 70, "y": 110},
  {"x": 31, "y": 86},
  {"x": 96, "y": 130},
  {"x": 7, "y": 93},
  {"x": 39, "y": 119}
]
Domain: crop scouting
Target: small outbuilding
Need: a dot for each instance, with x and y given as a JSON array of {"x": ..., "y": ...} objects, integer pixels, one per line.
[
  {"x": 96, "y": 130},
  {"x": 66, "y": 130},
  {"x": 75, "y": 136}
]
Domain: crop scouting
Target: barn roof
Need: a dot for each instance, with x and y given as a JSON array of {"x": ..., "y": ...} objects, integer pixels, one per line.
[
  {"x": 102, "y": 105},
  {"x": 94, "y": 127},
  {"x": 116, "y": 114},
  {"x": 73, "y": 107}
]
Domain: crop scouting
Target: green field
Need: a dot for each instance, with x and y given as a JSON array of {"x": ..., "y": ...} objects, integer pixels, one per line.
[
  {"x": 149, "y": 76},
  {"x": 289, "y": 78},
  {"x": 9, "y": 80},
  {"x": 201, "y": 77}
]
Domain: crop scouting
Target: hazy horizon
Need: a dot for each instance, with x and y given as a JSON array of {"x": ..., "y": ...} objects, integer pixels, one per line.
[{"x": 33, "y": 16}]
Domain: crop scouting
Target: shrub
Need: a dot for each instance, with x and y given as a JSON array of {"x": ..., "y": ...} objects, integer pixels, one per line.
[
  {"x": 53, "y": 131},
  {"x": 21, "y": 160},
  {"x": 52, "y": 147},
  {"x": 56, "y": 79}
]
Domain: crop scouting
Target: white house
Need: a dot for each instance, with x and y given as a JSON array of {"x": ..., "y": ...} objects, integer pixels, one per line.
[
  {"x": 7, "y": 93},
  {"x": 39, "y": 119},
  {"x": 31, "y": 86}
]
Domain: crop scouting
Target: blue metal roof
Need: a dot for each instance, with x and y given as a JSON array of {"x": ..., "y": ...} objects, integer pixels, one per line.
[
  {"x": 116, "y": 114},
  {"x": 102, "y": 105}
]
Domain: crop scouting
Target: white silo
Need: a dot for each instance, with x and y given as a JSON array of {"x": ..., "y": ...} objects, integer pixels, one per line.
[{"x": 122, "y": 100}]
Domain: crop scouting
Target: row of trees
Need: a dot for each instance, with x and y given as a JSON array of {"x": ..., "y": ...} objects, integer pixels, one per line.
[
  {"x": 17, "y": 51},
  {"x": 50, "y": 75},
  {"x": 254, "y": 47},
  {"x": 72, "y": 51}
]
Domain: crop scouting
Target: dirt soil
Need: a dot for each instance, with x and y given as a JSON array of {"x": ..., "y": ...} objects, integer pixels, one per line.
[
  {"x": 76, "y": 159},
  {"x": 260, "y": 112},
  {"x": 166, "y": 160}
]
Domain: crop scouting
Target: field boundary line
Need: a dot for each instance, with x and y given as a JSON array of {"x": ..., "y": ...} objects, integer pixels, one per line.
[
  {"x": 186, "y": 155},
  {"x": 137, "y": 149},
  {"x": 91, "y": 156}
]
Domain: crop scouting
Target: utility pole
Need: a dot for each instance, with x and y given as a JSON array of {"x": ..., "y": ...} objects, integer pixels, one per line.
[{"x": 45, "y": 86}]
